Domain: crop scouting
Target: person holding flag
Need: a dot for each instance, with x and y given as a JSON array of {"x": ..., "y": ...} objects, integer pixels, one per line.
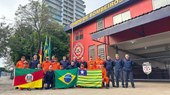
[
  {"x": 104, "y": 76},
  {"x": 20, "y": 64}
]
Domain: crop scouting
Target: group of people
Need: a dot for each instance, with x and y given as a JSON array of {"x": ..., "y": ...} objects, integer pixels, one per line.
[{"x": 120, "y": 68}]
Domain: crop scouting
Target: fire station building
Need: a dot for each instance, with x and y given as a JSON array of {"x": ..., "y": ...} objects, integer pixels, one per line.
[{"x": 140, "y": 28}]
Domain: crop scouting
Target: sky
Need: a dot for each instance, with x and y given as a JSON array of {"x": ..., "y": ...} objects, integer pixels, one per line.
[{"x": 8, "y": 8}]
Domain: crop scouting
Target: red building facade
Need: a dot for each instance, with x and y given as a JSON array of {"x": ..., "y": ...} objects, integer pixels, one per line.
[{"x": 124, "y": 26}]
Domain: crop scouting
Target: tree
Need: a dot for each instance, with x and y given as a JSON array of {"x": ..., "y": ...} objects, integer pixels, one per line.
[
  {"x": 33, "y": 24},
  {"x": 5, "y": 33},
  {"x": 34, "y": 15}
]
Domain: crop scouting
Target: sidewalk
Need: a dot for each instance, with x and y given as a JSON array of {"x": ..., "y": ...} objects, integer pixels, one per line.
[{"x": 142, "y": 88}]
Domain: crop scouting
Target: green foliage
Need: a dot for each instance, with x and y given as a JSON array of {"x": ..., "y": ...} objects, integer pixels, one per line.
[
  {"x": 33, "y": 23},
  {"x": 5, "y": 33}
]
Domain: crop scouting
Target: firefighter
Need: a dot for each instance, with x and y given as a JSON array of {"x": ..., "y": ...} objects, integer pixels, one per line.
[
  {"x": 119, "y": 70},
  {"x": 55, "y": 64},
  {"x": 99, "y": 61},
  {"x": 72, "y": 65},
  {"x": 46, "y": 64},
  {"x": 91, "y": 64},
  {"x": 20, "y": 64},
  {"x": 109, "y": 64},
  {"x": 104, "y": 76},
  {"x": 49, "y": 78},
  {"x": 128, "y": 69},
  {"x": 65, "y": 63},
  {"x": 83, "y": 62}
]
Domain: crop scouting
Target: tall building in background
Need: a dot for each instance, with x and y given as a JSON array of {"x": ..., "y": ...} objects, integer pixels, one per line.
[{"x": 66, "y": 11}]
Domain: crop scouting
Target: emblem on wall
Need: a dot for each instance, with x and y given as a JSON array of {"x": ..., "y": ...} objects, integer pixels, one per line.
[
  {"x": 78, "y": 50},
  {"x": 147, "y": 69}
]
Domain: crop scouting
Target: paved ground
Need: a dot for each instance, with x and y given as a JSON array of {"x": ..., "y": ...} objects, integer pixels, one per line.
[{"x": 142, "y": 88}]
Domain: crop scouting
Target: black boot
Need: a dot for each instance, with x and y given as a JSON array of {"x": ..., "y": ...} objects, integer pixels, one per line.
[{"x": 133, "y": 85}]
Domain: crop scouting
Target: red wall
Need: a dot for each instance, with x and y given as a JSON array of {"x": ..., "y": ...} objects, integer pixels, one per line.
[{"x": 137, "y": 9}]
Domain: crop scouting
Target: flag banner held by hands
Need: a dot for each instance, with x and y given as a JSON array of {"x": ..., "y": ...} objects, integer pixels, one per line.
[
  {"x": 66, "y": 78},
  {"x": 90, "y": 78},
  {"x": 28, "y": 78}
]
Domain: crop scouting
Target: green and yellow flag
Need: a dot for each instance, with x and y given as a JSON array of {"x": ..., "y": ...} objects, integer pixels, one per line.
[
  {"x": 90, "y": 78},
  {"x": 28, "y": 78},
  {"x": 66, "y": 78},
  {"x": 49, "y": 48},
  {"x": 46, "y": 47}
]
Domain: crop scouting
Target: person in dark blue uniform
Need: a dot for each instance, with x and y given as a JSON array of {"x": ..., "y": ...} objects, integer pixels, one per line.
[
  {"x": 33, "y": 64},
  {"x": 77, "y": 64},
  {"x": 109, "y": 64},
  {"x": 128, "y": 70},
  {"x": 84, "y": 63},
  {"x": 49, "y": 78},
  {"x": 72, "y": 65},
  {"x": 119, "y": 70},
  {"x": 65, "y": 63}
]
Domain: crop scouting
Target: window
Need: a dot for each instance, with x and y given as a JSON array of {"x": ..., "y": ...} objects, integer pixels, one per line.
[
  {"x": 159, "y": 3},
  {"x": 78, "y": 35},
  {"x": 101, "y": 51},
  {"x": 92, "y": 52},
  {"x": 100, "y": 24},
  {"x": 121, "y": 17}
]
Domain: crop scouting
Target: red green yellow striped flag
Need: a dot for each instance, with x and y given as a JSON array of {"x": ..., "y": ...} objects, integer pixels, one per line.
[
  {"x": 28, "y": 78},
  {"x": 40, "y": 54}
]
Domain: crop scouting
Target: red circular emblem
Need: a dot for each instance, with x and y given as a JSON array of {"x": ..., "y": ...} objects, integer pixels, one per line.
[{"x": 78, "y": 50}]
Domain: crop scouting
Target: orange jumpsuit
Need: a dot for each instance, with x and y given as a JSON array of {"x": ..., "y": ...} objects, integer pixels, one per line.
[
  {"x": 45, "y": 65},
  {"x": 55, "y": 66},
  {"x": 20, "y": 64},
  {"x": 91, "y": 65},
  {"x": 26, "y": 66},
  {"x": 99, "y": 61},
  {"x": 104, "y": 76}
]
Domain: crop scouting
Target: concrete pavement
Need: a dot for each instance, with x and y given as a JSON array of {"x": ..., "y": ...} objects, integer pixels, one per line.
[{"x": 142, "y": 88}]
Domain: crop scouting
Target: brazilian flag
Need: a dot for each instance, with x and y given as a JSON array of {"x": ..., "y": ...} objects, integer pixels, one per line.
[{"x": 66, "y": 78}]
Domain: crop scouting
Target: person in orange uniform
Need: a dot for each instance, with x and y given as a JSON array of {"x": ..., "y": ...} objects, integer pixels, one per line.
[
  {"x": 104, "y": 75},
  {"x": 20, "y": 64},
  {"x": 91, "y": 64},
  {"x": 46, "y": 64},
  {"x": 55, "y": 64},
  {"x": 26, "y": 65},
  {"x": 99, "y": 61}
]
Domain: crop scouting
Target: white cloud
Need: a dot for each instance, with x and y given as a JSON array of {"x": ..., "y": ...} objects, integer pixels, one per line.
[
  {"x": 92, "y": 5},
  {"x": 8, "y": 8}
]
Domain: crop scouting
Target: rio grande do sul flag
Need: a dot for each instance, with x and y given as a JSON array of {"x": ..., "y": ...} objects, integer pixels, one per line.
[
  {"x": 66, "y": 78},
  {"x": 28, "y": 78}
]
